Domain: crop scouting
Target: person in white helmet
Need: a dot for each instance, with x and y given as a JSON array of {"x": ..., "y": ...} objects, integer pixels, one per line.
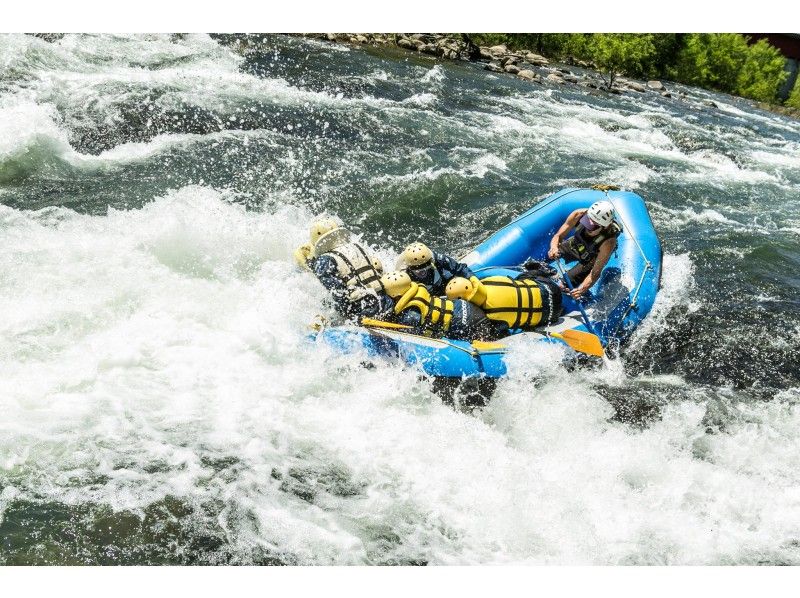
[
  {"x": 431, "y": 268},
  {"x": 594, "y": 239},
  {"x": 350, "y": 272}
]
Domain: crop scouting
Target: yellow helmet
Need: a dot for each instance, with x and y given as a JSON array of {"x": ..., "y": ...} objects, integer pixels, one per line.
[
  {"x": 322, "y": 226},
  {"x": 416, "y": 255},
  {"x": 396, "y": 283},
  {"x": 460, "y": 288}
]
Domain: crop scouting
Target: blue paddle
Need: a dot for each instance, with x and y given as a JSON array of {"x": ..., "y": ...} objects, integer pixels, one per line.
[{"x": 577, "y": 301}]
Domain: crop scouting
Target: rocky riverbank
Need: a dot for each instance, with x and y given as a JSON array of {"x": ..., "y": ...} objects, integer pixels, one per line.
[
  {"x": 525, "y": 65},
  {"x": 498, "y": 59}
]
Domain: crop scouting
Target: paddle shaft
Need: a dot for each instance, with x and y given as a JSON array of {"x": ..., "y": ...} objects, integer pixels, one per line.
[
  {"x": 577, "y": 301},
  {"x": 382, "y": 324}
]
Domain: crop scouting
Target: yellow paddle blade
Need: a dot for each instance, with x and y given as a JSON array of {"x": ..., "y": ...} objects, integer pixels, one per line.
[
  {"x": 486, "y": 346},
  {"x": 583, "y": 342},
  {"x": 382, "y": 324}
]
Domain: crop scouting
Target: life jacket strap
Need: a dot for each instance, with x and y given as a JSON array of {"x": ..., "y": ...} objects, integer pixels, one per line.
[{"x": 355, "y": 273}]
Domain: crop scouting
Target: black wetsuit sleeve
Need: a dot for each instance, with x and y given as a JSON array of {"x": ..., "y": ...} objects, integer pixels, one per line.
[
  {"x": 377, "y": 306},
  {"x": 450, "y": 268},
  {"x": 325, "y": 269},
  {"x": 411, "y": 317}
]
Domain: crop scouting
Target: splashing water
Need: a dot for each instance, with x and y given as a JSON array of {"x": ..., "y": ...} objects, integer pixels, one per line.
[{"x": 161, "y": 402}]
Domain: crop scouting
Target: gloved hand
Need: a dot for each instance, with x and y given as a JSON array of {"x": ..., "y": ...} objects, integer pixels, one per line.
[
  {"x": 303, "y": 254},
  {"x": 318, "y": 323},
  {"x": 539, "y": 267}
]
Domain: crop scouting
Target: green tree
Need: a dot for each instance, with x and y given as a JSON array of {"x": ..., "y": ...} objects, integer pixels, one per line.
[
  {"x": 762, "y": 74},
  {"x": 667, "y": 46},
  {"x": 712, "y": 60},
  {"x": 794, "y": 97},
  {"x": 629, "y": 53}
]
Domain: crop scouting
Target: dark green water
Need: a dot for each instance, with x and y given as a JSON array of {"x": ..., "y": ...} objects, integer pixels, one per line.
[{"x": 159, "y": 402}]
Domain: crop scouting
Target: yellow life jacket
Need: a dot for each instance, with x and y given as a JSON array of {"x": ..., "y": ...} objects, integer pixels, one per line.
[
  {"x": 518, "y": 303},
  {"x": 437, "y": 313}
]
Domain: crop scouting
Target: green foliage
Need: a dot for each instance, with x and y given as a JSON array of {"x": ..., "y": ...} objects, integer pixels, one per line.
[
  {"x": 794, "y": 97},
  {"x": 762, "y": 74},
  {"x": 667, "y": 46},
  {"x": 725, "y": 62},
  {"x": 712, "y": 60},
  {"x": 719, "y": 61},
  {"x": 629, "y": 53}
]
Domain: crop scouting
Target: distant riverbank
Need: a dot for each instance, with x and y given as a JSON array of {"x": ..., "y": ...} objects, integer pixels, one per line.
[{"x": 522, "y": 64}]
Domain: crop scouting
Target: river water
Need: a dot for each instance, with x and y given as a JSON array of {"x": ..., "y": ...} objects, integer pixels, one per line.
[{"x": 159, "y": 401}]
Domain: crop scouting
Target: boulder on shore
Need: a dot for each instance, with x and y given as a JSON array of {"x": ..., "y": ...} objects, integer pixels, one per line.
[
  {"x": 406, "y": 43},
  {"x": 536, "y": 59},
  {"x": 556, "y": 78},
  {"x": 511, "y": 68},
  {"x": 498, "y": 50},
  {"x": 428, "y": 49},
  {"x": 528, "y": 74},
  {"x": 494, "y": 66},
  {"x": 656, "y": 85}
]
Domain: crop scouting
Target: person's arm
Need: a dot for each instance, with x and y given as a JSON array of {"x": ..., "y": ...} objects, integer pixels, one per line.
[
  {"x": 606, "y": 249},
  {"x": 326, "y": 270},
  {"x": 378, "y": 306},
  {"x": 445, "y": 262},
  {"x": 411, "y": 317},
  {"x": 570, "y": 223}
]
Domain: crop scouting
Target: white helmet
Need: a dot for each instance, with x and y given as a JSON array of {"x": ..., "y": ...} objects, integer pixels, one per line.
[{"x": 601, "y": 212}]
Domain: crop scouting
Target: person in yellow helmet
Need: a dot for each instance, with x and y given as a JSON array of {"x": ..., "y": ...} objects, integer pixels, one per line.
[
  {"x": 431, "y": 268},
  {"x": 435, "y": 316},
  {"x": 345, "y": 268},
  {"x": 591, "y": 244},
  {"x": 521, "y": 303}
]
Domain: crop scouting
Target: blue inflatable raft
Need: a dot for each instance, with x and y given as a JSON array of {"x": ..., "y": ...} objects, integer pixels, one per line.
[{"x": 616, "y": 305}]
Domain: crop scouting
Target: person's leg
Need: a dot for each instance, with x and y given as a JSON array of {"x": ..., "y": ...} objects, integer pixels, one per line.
[{"x": 578, "y": 273}]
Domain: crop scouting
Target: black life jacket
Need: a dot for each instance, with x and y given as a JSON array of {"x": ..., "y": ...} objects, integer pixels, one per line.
[{"x": 586, "y": 247}]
